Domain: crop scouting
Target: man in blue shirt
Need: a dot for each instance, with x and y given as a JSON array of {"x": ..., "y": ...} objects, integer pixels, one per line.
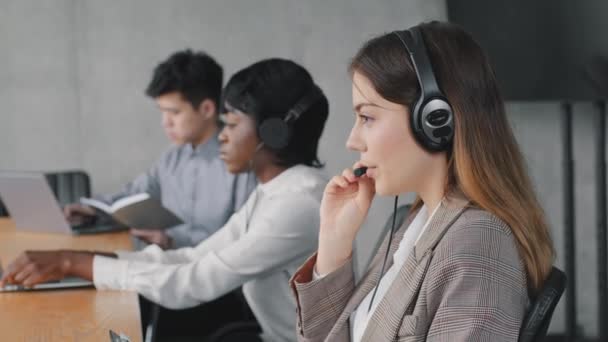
[{"x": 189, "y": 178}]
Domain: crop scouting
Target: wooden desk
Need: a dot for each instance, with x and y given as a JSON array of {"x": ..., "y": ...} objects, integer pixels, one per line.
[{"x": 65, "y": 315}]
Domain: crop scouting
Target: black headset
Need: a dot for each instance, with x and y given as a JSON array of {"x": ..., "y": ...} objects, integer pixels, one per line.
[
  {"x": 431, "y": 119},
  {"x": 276, "y": 132}
]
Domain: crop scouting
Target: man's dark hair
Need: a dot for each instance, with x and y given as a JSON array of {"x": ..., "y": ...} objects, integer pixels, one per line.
[
  {"x": 195, "y": 75},
  {"x": 270, "y": 88}
]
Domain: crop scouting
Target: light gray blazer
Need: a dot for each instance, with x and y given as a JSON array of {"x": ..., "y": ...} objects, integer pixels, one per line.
[{"x": 464, "y": 281}]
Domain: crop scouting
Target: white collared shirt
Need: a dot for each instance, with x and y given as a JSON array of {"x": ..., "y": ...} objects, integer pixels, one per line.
[
  {"x": 360, "y": 317},
  {"x": 261, "y": 256}
]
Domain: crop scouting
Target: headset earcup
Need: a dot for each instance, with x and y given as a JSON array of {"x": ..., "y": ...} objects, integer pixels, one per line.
[
  {"x": 416, "y": 126},
  {"x": 274, "y": 133},
  {"x": 433, "y": 125}
]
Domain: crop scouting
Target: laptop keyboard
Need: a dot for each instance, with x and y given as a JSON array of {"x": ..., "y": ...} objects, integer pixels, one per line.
[{"x": 96, "y": 228}]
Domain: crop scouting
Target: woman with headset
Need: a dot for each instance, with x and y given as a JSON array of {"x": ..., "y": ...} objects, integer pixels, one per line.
[
  {"x": 429, "y": 119},
  {"x": 274, "y": 116}
]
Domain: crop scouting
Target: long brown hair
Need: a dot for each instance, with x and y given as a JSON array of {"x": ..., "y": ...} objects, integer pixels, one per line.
[{"x": 484, "y": 162}]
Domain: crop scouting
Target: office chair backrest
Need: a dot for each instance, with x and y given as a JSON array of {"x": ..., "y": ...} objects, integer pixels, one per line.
[
  {"x": 68, "y": 187},
  {"x": 538, "y": 317},
  {"x": 3, "y": 211}
]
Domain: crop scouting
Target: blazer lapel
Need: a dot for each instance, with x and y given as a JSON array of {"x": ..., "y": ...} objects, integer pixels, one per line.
[
  {"x": 401, "y": 295},
  {"x": 386, "y": 319},
  {"x": 450, "y": 210},
  {"x": 368, "y": 282}
]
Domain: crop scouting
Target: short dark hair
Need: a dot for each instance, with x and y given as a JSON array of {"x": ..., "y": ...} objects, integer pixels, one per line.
[
  {"x": 270, "y": 88},
  {"x": 195, "y": 75}
]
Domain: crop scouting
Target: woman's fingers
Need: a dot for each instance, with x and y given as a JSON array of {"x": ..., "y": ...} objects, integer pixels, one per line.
[
  {"x": 23, "y": 273},
  {"x": 349, "y": 175},
  {"x": 39, "y": 275},
  {"x": 14, "y": 268},
  {"x": 33, "y": 267},
  {"x": 340, "y": 181}
]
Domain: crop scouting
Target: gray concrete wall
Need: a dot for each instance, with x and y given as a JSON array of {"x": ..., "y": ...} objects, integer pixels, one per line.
[
  {"x": 537, "y": 127},
  {"x": 72, "y": 75},
  {"x": 39, "y": 125}
]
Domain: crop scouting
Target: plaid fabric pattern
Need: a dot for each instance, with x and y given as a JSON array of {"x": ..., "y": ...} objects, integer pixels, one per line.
[{"x": 464, "y": 281}]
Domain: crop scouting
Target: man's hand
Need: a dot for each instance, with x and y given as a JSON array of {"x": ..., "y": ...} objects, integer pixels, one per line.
[
  {"x": 157, "y": 237},
  {"x": 77, "y": 213}
]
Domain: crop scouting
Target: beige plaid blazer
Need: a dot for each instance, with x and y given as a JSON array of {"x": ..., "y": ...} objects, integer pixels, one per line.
[{"x": 464, "y": 281}]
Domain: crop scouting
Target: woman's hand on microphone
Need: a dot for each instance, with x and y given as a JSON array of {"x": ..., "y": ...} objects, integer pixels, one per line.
[{"x": 344, "y": 207}]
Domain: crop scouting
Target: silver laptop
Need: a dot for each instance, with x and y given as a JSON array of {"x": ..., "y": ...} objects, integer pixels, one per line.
[
  {"x": 33, "y": 207},
  {"x": 65, "y": 283}
]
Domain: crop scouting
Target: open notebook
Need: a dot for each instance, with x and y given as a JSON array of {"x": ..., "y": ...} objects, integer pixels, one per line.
[{"x": 138, "y": 211}]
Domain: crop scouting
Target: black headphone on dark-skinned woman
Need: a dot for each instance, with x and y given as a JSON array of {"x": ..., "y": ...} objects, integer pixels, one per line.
[{"x": 276, "y": 132}]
